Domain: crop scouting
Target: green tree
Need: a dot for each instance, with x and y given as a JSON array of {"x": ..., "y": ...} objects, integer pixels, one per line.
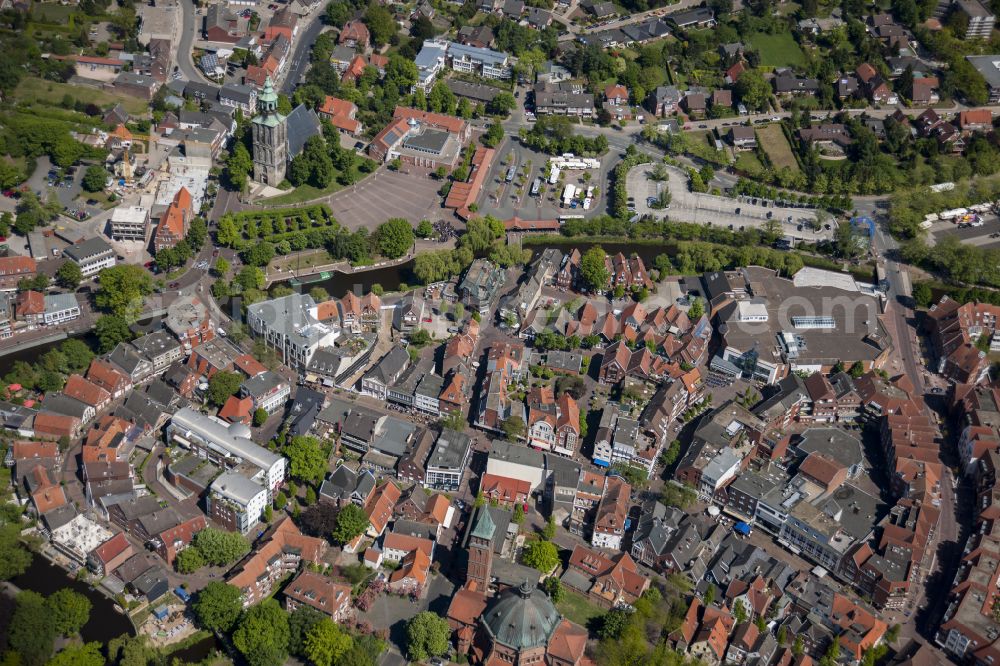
[
  {"x": 922, "y": 294},
  {"x": 222, "y": 385},
  {"x": 301, "y": 620},
  {"x": 502, "y": 104},
  {"x": 381, "y": 25},
  {"x": 217, "y": 606},
  {"x": 122, "y": 289},
  {"x": 427, "y": 635},
  {"x": 259, "y": 254},
  {"x": 542, "y": 555},
  {"x": 76, "y": 356},
  {"x": 494, "y": 135},
  {"x": 228, "y": 233},
  {"x": 518, "y": 516},
  {"x": 677, "y": 495},
  {"x": 131, "y": 651},
  {"x": 696, "y": 310},
  {"x": 219, "y": 547},
  {"x": 95, "y": 178},
  {"x": 31, "y": 633},
  {"x": 68, "y": 611},
  {"x": 189, "y": 560},
  {"x": 395, "y": 237},
  {"x": 553, "y": 587},
  {"x": 262, "y": 636},
  {"x": 250, "y": 277},
  {"x": 513, "y": 427},
  {"x": 613, "y": 623},
  {"x": 739, "y": 611},
  {"x": 307, "y": 459},
  {"x": 549, "y": 531},
  {"x": 69, "y": 275},
  {"x": 425, "y": 229},
  {"x": 594, "y": 269},
  {"x": 239, "y": 165},
  {"x": 351, "y": 523},
  {"x": 753, "y": 90},
  {"x": 79, "y": 655},
  {"x": 259, "y": 417},
  {"x": 110, "y": 330},
  {"x": 221, "y": 267},
  {"x": 326, "y": 643}
]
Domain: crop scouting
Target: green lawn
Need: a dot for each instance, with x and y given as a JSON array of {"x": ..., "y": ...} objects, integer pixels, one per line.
[
  {"x": 52, "y": 12},
  {"x": 304, "y": 193},
  {"x": 577, "y": 608},
  {"x": 777, "y": 50},
  {"x": 747, "y": 161},
  {"x": 772, "y": 138},
  {"x": 32, "y": 89}
]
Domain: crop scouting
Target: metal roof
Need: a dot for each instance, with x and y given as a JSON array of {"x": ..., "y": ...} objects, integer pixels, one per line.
[{"x": 522, "y": 619}]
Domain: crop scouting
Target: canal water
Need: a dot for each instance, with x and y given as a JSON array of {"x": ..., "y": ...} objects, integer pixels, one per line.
[
  {"x": 31, "y": 355},
  {"x": 390, "y": 277},
  {"x": 105, "y": 622},
  {"x": 338, "y": 284},
  {"x": 198, "y": 652}
]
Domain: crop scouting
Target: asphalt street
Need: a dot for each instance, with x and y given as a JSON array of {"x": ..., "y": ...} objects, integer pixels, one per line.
[
  {"x": 300, "y": 54},
  {"x": 189, "y": 31}
]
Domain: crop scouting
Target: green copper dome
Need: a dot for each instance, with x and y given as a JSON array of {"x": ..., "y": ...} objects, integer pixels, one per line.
[
  {"x": 267, "y": 96},
  {"x": 267, "y": 106},
  {"x": 522, "y": 619}
]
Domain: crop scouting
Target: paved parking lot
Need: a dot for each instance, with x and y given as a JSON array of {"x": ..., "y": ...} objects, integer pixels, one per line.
[
  {"x": 703, "y": 208},
  {"x": 412, "y": 195},
  {"x": 501, "y": 199},
  {"x": 159, "y": 21},
  {"x": 982, "y": 236}
]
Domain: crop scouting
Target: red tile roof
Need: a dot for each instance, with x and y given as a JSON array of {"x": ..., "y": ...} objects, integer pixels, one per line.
[
  {"x": 283, "y": 534},
  {"x": 237, "y": 410},
  {"x": 504, "y": 489},
  {"x": 415, "y": 566},
  {"x": 86, "y": 391},
  {"x": 341, "y": 113},
  {"x": 30, "y": 303},
  {"x": 17, "y": 265},
  {"x": 112, "y": 548},
  {"x": 48, "y": 424},
  {"x": 408, "y": 543},
  {"x": 23, "y": 450},
  {"x": 380, "y": 505},
  {"x": 106, "y": 376},
  {"x": 250, "y": 366},
  {"x": 439, "y": 120}
]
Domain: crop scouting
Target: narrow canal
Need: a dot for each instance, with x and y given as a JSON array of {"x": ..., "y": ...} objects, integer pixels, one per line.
[{"x": 105, "y": 622}]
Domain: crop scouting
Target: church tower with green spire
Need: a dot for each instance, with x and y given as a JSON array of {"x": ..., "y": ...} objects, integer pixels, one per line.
[
  {"x": 481, "y": 550},
  {"x": 270, "y": 138}
]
